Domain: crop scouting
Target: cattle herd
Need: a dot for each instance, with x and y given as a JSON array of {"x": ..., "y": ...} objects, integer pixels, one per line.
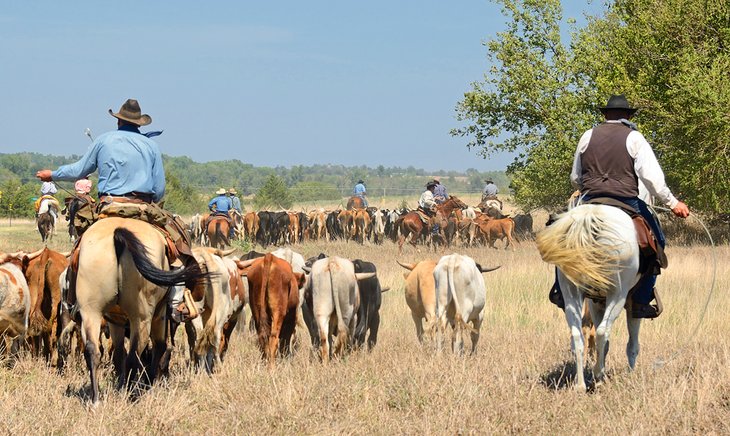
[
  {"x": 337, "y": 300},
  {"x": 469, "y": 226}
]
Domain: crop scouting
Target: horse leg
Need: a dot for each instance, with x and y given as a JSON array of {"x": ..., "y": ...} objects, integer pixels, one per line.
[
  {"x": 573, "y": 311},
  {"x": 632, "y": 347},
  {"x": 119, "y": 354},
  {"x": 91, "y": 328},
  {"x": 603, "y": 333},
  {"x": 158, "y": 334}
]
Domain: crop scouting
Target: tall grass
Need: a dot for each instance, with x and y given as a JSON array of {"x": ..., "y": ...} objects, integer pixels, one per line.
[{"x": 515, "y": 384}]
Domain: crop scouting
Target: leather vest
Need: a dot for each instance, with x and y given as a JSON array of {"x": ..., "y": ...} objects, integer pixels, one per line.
[{"x": 607, "y": 168}]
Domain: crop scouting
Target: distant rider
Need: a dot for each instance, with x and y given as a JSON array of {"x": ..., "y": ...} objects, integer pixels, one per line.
[
  {"x": 439, "y": 194},
  {"x": 427, "y": 205},
  {"x": 360, "y": 191}
]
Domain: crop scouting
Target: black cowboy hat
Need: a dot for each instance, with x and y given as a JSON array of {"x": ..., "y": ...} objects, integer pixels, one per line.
[
  {"x": 430, "y": 185},
  {"x": 618, "y": 102},
  {"x": 360, "y": 181},
  {"x": 488, "y": 180}
]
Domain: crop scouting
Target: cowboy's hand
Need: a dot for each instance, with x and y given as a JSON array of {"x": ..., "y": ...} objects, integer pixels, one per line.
[
  {"x": 681, "y": 210},
  {"x": 44, "y": 175}
]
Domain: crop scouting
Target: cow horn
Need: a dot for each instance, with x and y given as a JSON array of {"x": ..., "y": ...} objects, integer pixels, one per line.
[
  {"x": 408, "y": 266},
  {"x": 386, "y": 289},
  {"x": 35, "y": 254},
  {"x": 364, "y": 276},
  {"x": 245, "y": 263},
  {"x": 307, "y": 269},
  {"x": 224, "y": 253},
  {"x": 486, "y": 270},
  {"x": 66, "y": 254}
]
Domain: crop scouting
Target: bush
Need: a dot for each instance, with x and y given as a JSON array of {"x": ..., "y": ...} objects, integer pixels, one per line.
[{"x": 274, "y": 194}]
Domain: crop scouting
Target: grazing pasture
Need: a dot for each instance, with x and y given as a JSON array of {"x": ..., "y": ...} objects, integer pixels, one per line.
[{"x": 516, "y": 382}]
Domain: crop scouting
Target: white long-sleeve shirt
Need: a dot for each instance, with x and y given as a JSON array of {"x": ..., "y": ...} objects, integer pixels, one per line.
[
  {"x": 426, "y": 201},
  {"x": 646, "y": 166}
]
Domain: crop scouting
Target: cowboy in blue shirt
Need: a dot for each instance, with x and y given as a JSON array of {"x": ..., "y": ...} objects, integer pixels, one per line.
[
  {"x": 359, "y": 191},
  {"x": 221, "y": 204},
  {"x": 129, "y": 163}
]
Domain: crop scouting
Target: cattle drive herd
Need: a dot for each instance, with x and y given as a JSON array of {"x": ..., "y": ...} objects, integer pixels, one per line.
[
  {"x": 483, "y": 224},
  {"x": 337, "y": 300}
]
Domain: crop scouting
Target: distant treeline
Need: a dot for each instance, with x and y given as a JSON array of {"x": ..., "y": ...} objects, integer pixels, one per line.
[{"x": 191, "y": 184}]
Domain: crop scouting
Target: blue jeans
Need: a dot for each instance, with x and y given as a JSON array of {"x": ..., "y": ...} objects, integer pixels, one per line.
[{"x": 644, "y": 293}]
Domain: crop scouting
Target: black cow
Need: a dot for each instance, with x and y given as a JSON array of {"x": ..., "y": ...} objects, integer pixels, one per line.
[
  {"x": 523, "y": 226},
  {"x": 303, "y": 225},
  {"x": 265, "y": 223},
  {"x": 333, "y": 226},
  {"x": 368, "y": 314},
  {"x": 280, "y": 225}
]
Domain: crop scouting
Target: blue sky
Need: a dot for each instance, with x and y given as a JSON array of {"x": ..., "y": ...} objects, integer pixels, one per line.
[{"x": 269, "y": 83}]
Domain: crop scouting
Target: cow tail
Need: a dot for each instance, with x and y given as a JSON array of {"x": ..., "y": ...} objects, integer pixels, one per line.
[
  {"x": 341, "y": 327},
  {"x": 265, "y": 272},
  {"x": 124, "y": 239},
  {"x": 458, "y": 320}
]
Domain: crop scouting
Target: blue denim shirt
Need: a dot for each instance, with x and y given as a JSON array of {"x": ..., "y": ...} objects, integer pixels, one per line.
[
  {"x": 127, "y": 161},
  {"x": 221, "y": 202},
  {"x": 359, "y": 190}
]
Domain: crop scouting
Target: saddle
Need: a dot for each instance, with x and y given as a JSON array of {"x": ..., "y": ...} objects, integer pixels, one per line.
[
  {"x": 423, "y": 216},
  {"x": 218, "y": 215},
  {"x": 651, "y": 255}
]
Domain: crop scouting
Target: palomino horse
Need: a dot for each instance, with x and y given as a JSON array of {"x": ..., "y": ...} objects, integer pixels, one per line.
[
  {"x": 217, "y": 229},
  {"x": 355, "y": 202},
  {"x": 123, "y": 274},
  {"x": 597, "y": 255},
  {"x": 411, "y": 225}
]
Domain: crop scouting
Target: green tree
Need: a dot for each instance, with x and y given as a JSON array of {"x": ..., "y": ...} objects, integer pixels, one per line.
[
  {"x": 273, "y": 194},
  {"x": 541, "y": 95}
]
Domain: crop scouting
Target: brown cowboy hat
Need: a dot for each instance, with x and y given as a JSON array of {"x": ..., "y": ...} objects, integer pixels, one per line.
[
  {"x": 232, "y": 191},
  {"x": 617, "y": 102},
  {"x": 131, "y": 113}
]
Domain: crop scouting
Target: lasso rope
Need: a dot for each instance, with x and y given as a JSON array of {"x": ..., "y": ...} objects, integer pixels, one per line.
[{"x": 659, "y": 362}]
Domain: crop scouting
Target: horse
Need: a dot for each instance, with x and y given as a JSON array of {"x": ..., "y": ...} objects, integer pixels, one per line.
[
  {"x": 355, "y": 202},
  {"x": 46, "y": 224},
  {"x": 490, "y": 202},
  {"x": 411, "y": 225},
  {"x": 217, "y": 229},
  {"x": 123, "y": 275},
  {"x": 597, "y": 254}
]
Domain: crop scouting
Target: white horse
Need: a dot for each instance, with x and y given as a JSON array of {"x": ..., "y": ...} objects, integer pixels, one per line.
[{"x": 597, "y": 255}]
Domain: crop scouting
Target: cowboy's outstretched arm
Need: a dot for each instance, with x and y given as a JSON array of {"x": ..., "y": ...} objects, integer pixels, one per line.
[{"x": 85, "y": 166}]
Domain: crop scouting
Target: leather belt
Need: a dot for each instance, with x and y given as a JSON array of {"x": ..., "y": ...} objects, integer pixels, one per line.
[{"x": 130, "y": 197}]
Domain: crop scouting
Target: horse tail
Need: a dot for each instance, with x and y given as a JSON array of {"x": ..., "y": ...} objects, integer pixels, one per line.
[
  {"x": 124, "y": 239},
  {"x": 219, "y": 233},
  {"x": 583, "y": 245}
]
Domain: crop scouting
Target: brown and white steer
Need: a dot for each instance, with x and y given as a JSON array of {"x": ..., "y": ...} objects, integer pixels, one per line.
[{"x": 14, "y": 300}]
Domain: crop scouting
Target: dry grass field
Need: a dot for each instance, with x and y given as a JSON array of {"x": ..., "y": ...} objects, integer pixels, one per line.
[{"x": 517, "y": 383}]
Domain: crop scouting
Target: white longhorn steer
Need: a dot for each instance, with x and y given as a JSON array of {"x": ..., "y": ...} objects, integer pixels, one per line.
[{"x": 460, "y": 298}]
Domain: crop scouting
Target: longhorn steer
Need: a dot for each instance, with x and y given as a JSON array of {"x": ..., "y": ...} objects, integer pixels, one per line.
[{"x": 460, "y": 298}]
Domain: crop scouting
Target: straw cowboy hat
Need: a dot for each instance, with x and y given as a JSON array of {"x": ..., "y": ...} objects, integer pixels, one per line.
[
  {"x": 232, "y": 191},
  {"x": 220, "y": 191},
  {"x": 617, "y": 102},
  {"x": 131, "y": 112}
]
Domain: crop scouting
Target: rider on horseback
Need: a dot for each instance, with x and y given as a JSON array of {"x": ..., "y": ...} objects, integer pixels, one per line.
[
  {"x": 490, "y": 192},
  {"x": 609, "y": 162},
  {"x": 360, "y": 191},
  {"x": 427, "y": 205},
  {"x": 47, "y": 202},
  {"x": 131, "y": 177},
  {"x": 439, "y": 194}
]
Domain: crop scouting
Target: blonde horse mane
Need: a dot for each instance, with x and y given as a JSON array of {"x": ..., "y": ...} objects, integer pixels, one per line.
[{"x": 585, "y": 245}]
